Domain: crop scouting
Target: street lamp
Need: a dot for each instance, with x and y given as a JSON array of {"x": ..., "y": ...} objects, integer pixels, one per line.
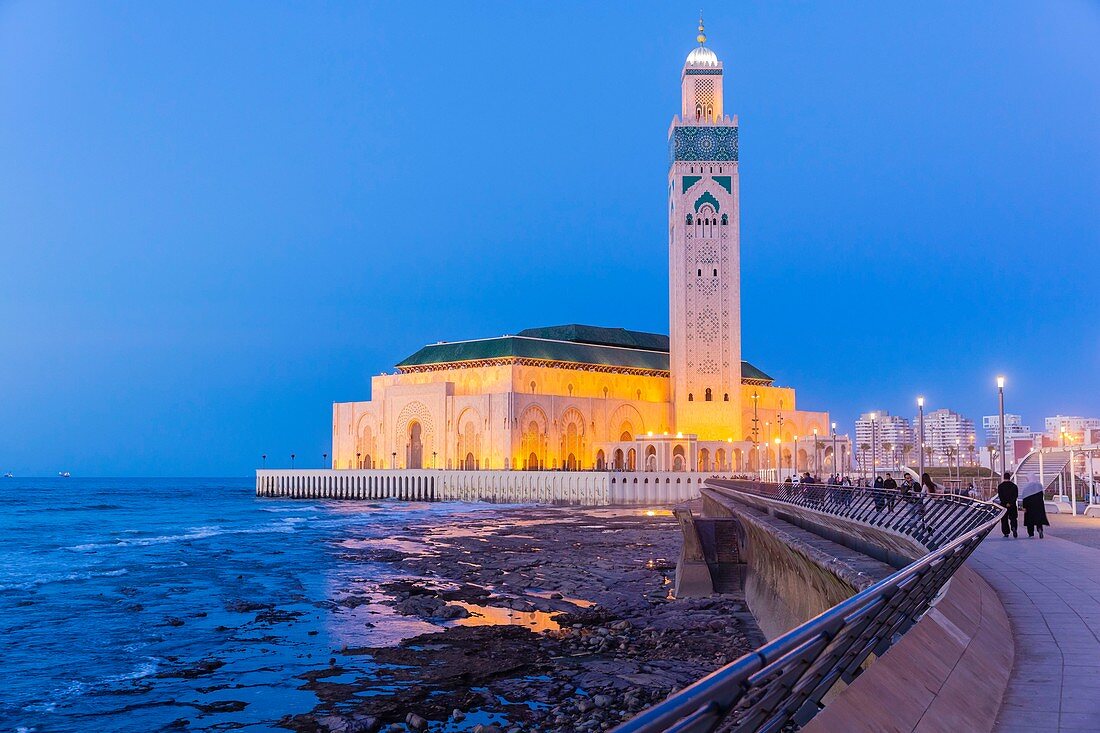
[
  {"x": 874, "y": 445},
  {"x": 324, "y": 461},
  {"x": 755, "y": 421},
  {"x": 778, "y": 458},
  {"x": 263, "y": 460},
  {"x": 958, "y": 458},
  {"x": 815, "y": 451},
  {"x": 393, "y": 463},
  {"x": 358, "y": 459},
  {"x": 433, "y": 459},
  {"x": 836, "y": 466},
  {"x": 920, "y": 407},
  {"x": 292, "y": 460},
  {"x": 1001, "y": 396}
]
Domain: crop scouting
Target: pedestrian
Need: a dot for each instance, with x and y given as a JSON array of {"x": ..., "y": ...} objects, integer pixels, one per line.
[
  {"x": 890, "y": 486},
  {"x": 1035, "y": 510},
  {"x": 1007, "y": 495}
]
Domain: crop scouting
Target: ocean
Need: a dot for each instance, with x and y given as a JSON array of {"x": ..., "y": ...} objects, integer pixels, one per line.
[{"x": 139, "y": 604}]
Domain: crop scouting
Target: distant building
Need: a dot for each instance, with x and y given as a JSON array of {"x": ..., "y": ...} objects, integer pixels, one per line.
[
  {"x": 945, "y": 432},
  {"x": 896, "y": 442},
  {"x": 1015, "y": 432},
  {"x": 1079, "y": 430}
]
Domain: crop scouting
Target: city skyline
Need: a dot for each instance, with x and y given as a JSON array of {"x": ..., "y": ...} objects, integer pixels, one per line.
[{"x": 189, "y": 289}]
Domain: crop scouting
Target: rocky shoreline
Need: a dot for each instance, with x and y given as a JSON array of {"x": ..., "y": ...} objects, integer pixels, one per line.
[{"x": 552, "y": 619}]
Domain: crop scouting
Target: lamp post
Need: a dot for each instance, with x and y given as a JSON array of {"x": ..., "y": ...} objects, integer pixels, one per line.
[
  {"x": 393, "y": 463},
  {"x": 958, "y": 459},
  {"x": 755, "y": 421},
  {"x": 778, "y": 458},
  {"x": 874, "y": 446},
  {"x": 292, "y": 460},
  {"x": 836, "y": 466},
  {"x": 1001, "y": 396},
  {"x": 920, "y": 450},
  {"x": 815, "y": 451},
  {"x": 358, "y": 459},
  {"x": 433, "y": 459},
  {"x": 263, "y": 461},
  {"x": 324, "y": 460}
]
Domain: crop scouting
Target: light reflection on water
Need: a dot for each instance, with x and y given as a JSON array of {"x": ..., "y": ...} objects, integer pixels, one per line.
[{"x": 495, "y": 616}]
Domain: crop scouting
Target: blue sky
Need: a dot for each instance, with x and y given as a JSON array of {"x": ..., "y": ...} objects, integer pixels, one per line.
[{"x": 218, "y": 218}]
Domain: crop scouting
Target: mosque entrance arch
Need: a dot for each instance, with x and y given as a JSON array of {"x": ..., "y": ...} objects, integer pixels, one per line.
[
  {"x": 632, "y": 460},
  {"x": 650, "y": 458},
  {"x": 678, "y": 461},
  {"x": 532, "y": 462},
  {"x": 415, "y": 457},
  {"x": 470, "y": 463},
  {"x": 618, "y": 459}
]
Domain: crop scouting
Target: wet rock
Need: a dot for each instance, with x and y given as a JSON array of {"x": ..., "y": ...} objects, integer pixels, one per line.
[
  {"x": 242, "y": 606},
  {"x": 173, "y": 621},
  {"x": 415, "y": 722}
]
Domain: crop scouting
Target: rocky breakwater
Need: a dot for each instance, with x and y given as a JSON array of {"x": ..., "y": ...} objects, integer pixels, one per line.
[{"x": 547, "y": 619}]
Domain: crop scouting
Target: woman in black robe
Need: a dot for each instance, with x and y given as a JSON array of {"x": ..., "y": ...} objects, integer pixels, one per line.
[{"x": 1035, "y": 511}]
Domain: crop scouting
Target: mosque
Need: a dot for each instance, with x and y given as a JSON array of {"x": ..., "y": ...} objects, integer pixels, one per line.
[{"x": 579, "y": 398}]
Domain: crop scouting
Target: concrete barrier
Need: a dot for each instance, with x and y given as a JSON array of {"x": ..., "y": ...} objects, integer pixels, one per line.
[{"x": 793, "y": 574}]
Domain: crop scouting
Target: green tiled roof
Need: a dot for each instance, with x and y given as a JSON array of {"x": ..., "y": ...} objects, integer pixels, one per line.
[
  {"x": 600, "y": 336},
  {"x": 615, "y": 347},
  {"x": 536, "y": 348}
]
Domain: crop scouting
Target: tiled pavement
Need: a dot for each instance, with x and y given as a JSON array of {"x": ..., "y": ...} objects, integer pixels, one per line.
[{"x": 1051, "y": 591}]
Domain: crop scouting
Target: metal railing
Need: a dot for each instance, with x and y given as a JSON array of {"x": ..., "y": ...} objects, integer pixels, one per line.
[{"x": 784, "y": 681}]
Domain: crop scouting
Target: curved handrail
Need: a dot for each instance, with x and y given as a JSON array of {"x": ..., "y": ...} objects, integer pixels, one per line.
[{"x": 785, "y": 680}]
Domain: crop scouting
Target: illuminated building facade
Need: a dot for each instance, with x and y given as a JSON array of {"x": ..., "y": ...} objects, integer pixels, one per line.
[{"x": 582, "y": 397}]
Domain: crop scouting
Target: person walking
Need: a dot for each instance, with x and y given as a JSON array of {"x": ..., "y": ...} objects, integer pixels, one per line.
[
  {"x": 1008, "y": 494},
  {"x": 890, "y": 486},
  {"x": 1035, "y": 510}
]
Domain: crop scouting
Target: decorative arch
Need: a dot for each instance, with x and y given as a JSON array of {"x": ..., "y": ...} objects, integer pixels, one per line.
[
  {"x": 365, "y": 447},
  {"x": 468, "y": 438},
  {"x": 625, "y": 418},
  {"x": 534, "y": 437},
  {"x": 706, "y": 198},
  {"x": 571, "y": 438},
  {"x": 418, "y": 412}
]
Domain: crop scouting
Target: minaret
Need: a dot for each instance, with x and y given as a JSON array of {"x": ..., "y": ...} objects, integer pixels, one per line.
[{"x": 704, "y": 256}]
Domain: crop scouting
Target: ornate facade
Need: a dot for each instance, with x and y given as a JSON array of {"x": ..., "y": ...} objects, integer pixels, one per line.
[{"x": 581, "y": 397}]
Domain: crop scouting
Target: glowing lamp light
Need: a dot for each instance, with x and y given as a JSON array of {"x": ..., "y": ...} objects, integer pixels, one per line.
[
  {"x": 650, "y": 433},
  {"x": 650, "y": 513},
  {"x": 729, "y": 440},
  {"x": 920, "y": 402},
  {"x": 1000, "y": 382},
  {"x": 777, "y": 440},
  {"x": 679, "y": 435}
]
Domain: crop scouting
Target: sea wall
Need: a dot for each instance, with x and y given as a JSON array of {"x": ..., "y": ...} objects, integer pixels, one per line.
[
  {"x": 584, "y": 488},
  {"x": 793, "y": 574}
]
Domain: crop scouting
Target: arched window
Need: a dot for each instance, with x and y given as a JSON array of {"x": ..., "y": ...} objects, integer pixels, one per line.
[
  {"x": 690, "y": 220},
  {"x": 698, "y": 111},
  {"x": 726, "y": 397},
  {"x": 716, "y": 272},
  {"x": 707, "y": 396},
  {"x": 725, "y": 219},
  {"x": 691, "y": 397},
  {"x": 699, "y": 272}
]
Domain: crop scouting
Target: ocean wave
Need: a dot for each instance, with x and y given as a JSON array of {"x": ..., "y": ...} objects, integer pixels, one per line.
[
  {"x": 70, "y": 577},
  {"x": 284, "y": 525}
]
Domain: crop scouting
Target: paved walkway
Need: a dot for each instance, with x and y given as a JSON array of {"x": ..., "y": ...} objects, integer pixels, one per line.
[{"x": 1051, "y": 591}]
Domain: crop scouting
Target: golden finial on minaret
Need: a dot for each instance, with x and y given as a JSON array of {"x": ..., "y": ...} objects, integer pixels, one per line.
[{"x": 702, "y": 37}]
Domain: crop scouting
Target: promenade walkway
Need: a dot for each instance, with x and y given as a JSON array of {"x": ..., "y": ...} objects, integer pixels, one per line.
[{"x": 1050, "y": 589}]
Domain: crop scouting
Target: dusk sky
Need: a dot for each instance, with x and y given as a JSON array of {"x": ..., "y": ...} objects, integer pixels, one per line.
[{"x": 218, "y": 218}]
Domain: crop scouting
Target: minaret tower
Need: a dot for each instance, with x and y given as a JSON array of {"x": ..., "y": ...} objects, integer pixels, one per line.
[{"x": 704, "y": 255}]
